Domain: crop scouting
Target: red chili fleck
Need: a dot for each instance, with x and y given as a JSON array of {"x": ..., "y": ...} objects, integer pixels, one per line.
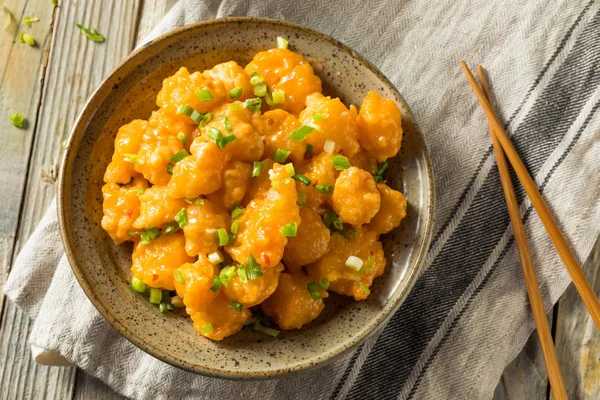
[
  {"x": 315, "y": 183},
  {"x": 129, "y": 213},
  {"x": 154, "y": 277},
  {"x": 267, "y": 260}
]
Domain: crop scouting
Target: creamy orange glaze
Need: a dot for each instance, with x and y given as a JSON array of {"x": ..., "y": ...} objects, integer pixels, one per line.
[{"x": 174, "y": 182}]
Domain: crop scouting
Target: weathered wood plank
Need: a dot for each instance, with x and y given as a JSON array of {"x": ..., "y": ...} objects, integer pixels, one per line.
[
  {"x": 577, "y": 339},
  {"x": 152, "y": 12},
  {"x": 76, "y": 66}
]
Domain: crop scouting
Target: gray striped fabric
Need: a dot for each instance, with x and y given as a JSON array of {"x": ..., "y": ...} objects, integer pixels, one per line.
[{"x": 467, "y": 317}]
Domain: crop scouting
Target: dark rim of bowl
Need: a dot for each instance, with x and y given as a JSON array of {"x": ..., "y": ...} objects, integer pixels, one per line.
[{"x": 319, "y": 360}]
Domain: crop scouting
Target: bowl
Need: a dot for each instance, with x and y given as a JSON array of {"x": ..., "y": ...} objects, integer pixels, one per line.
[{"x": 102, "y": 268}]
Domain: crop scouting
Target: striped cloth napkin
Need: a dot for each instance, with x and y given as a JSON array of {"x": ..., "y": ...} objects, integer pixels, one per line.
[{"x": 468, "y": 315}]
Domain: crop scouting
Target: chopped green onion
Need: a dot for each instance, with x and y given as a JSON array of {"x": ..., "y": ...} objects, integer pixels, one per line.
[
  {"x": 216, "y": 257},
  {"x": 138, "y": 285},
  {"x": 170, "y": 307},
  {"x": 309, "y": 150},
  {"x": 235, "y": 92},
  {"x": 190, "y": 112},
  {"x": 301, "y": 199},
  {"x": 162, "y": 307},
  {"x": 17, "y": 120},
  {"x": 236, "y": 107},
  {"x": 364, "y": 288},
  {"x": 207, "y": 328},
  {"x": 267, "y": 330},
  {"x": 329, "y": 146},
  {"x": 340, "y": 162},
  {"x": 155, "y": 296},
  {"x": 301, "y": 133},
  {"x": 216, "y": 284},
  {"x": 256, "y": 79},
  {"x": 132, "y": 158},
  {"x": 257, "y": 168},
  {"x": 171, "y": 228},
  {"x": 323, "y": 283},
  {"x": 91, "y": 34},
  {"x": 289, "y": 167},
  {"x": 235, "y": 227},
  {"x": 348, "y": 233},
  {"x": 227, "y": 274},
  {"x": 181, "y": 217},
  {"x": 325, "y": 188},
  {"x": 332, "y": 221},
  {"x": 354, "y": 262},
  {"x": 189, "y": 201},
  {"x": 222, "y": 237},
  {"x": 27, "y": 39},
  {"x": 183, "y": 137},
  {"x": 228, "y": 139},
  {"x": 380, "y": 170},
  {"x": 130, "y": 233},
  {"x": 242, "y": 273},
  {"x": 221, "y": 141},
  {"x": 178, "y": 276},
  {"x": 290, "y": 230},
  {"x": 7, "y": 16},
  {"x": 170, "y": 169},
  {"x": 368, "y": 265},
  {"x": 253, "y": 269},
  {"x": 260, "y": 90},
  {"x": 253, "y": 104},
  {"x": 207, "y": 118},
  {"x": 237, "y": 211},
  {"x": 302, "y": 178},
  {"x": 282, "y": 43},
  {"x": 139, "y": 191},
  {"x": 29, "y": 20},
  {"x": 319, "y": 117},
  {"x": 278, "y": 97},
  {"x": 204, "y": 95},
  {"x": 281, "y": 155},
  {"x": 180, "y": 155},
  {"x": 234, "y": 305},
  {"x": 227, "y": 124},
  {"x": 153, "y": 233},
  {"x": 199, "y": 201},
  {"x": 313, "y": 290},
  {"x": 144, "y": 238}
]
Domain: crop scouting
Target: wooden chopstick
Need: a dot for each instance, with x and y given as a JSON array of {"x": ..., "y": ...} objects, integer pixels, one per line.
[
  {"x": 579, "y": 280},
  {"x": 535, "y": 298}
]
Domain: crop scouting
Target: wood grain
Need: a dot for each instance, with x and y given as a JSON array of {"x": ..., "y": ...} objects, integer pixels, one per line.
[
  {"x": 151, "y": 13},
  {"x": 90, "y": 388}
]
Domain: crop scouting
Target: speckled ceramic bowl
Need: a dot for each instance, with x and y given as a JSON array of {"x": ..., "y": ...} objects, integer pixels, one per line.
[{"x": 102, "y": 268}]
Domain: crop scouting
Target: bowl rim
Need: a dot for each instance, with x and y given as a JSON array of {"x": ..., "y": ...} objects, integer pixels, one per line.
[{"x": 319, "y": 360}]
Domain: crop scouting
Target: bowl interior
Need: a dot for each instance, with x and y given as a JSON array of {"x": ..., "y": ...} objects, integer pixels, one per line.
[{"x": 102, "y": 268}]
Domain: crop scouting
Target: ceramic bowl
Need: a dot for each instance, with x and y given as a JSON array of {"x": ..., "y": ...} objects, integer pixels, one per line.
[{"x": 102, "y": 268}]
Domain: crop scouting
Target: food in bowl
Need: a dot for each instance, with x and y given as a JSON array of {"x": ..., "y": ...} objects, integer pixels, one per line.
[{"x": 249, "y": 195}]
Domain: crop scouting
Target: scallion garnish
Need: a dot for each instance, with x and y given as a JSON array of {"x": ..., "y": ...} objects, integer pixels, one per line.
[
  {"x": 380, "y": 170},
  {"x": 181, "y": 217},
  {"x": 354, "y": 262},
  {"x": 234, "y": 305},
  {"x": 289, "y": 167},
  {"x": 323, "y": 283},
  {"x": 256, "y": 79},
  {"x": 216, "y": 284},
  {"x": 139, "y": 191},
  {"x": 257, "y": 168},
  {"x": 309, "y": 150},
  {"x": 329, "y": 146},
  {"x": 190, "y": 112},
  {"x": 301, "y": 133},
  {"x": 281, "y": 155},
  {"x": 189, "y": 201},
  {"x": 253, "y": 104},
  {"x": 282, "y": 43},
  {"x": 207, "y": 118},
  {"x": 278, "y": 97},
  {"x": 319, "y": 117},
  {"x": 364, "y": 288},
  {"x": 153, "y": 233},
  {"x": 313, "y": 290},
  {"x": 180, "y": 155},
  {"x": 227, "y": 123},
  {"x": 30, "y": 20},
  {"x": 207, "y": 328},
  {"x": 132, "y": 158},
  {"x": 301, "y": 199},
  {"x": 325, "y": 188},
  {"x": 340, "y": 162},
  {"x": 17, "y": 120},
  {"x": 155, "y": 296},
  {"x": 216, "y": 257},
  {"x": 162, "y": 307},
  {"x": 170, "y": 169},
  {"x": 170, "y": 307},
  {"x": 183, "y": 137},
  {"x": 178, "y": 276},
  {"x": 138, "y": 285},
  {"x": 222, "y": 237},
  {"x": 265, "y": 329},
  {"x": 242, "y": 273},
  {"x": 290, "y": 230},
  {"x": 91, "y": 34},
  {"x": 199, "y": 201},
  {"x": 260, "y": 90},
  {"x": 348, "y": 233},
  {"x": 237, "y": 211},
  {"x": 332, "y": 221},
  {"x": 171, "y": 228},
  {"x": 227, "y": 274},
  {"x": 253, "y": 269},
  {"x": 204, "y": 95},
  {"x": 302, "y": 178},
  {"x": 221, "y": 141},
  {"x": 367, "y": 265},
  {"x": 236, "y": 107},
  {"x": 235, "y": 93},
  {"x": 144, "y": 238},
  {"x": 27, "y": 39}
]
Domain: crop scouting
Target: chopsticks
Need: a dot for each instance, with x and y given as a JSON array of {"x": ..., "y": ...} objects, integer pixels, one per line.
[
  {"x": 579, "y": 280},
  {"x": 533, "y": 290}
]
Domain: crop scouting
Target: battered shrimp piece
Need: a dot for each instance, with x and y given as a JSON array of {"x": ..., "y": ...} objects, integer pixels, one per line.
[
  {"x": 380, "y": 127},
  {"x": 254, "y": 291},
  {"x": 121, "y": 207},
  {"x": 157, "y": 208},
  {"x": 199, "y": 174},
  {"x": 391, "y": 212},
  {"x": 263, "y": 219},
  {"x": 232, "y": 76},
  {"x": 203, "y": 220},
  {"x": 128, "y": 141},
  {"x": 289, "y": 72},
  {"x": 363, "y": 160},
  {"x": 160, "y": 118},
  {"x": 154, "y": 263},
  {"x": 218, "y": 320},
  {"x": 343, "y": 279},
  {"x": 181, "y": 88},
  {"x": 158, "y": 146},
  {"x": 197, "y": 281},
  {"x": 291, "y": 305},
  {"x": 355, "y": 196},
  {"x": 259, "y": 186},
  {"x": 309, "y": 244},
  {"x": 334, "y": 122},
  {"x": 320, "y": 170},
  {"x": 236, "y": 177},
  {"x": 276, "y": 126}
]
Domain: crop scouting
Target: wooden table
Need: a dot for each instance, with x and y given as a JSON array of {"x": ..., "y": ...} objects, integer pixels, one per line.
[{"x": 49, "y": 84}]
